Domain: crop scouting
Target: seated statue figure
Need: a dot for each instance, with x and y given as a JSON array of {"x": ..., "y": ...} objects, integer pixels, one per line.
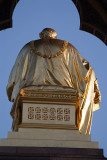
[{"x": 51, "y": 62}]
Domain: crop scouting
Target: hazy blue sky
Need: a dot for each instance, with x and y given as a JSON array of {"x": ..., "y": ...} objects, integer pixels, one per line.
[{"x": 29, "y": 18}]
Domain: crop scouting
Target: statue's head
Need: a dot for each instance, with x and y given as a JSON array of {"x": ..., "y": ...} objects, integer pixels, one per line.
[{"x": 48, "y": 33}]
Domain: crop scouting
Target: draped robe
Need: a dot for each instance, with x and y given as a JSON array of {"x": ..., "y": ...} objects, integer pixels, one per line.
[{"x": 54, "y": 62}]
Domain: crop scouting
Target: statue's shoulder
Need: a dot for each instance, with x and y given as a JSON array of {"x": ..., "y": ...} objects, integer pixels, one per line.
[
  {"x": 71, "y": 46},
  {"x": 26, "y": 46},
  {"x": 54, "y": 42}
]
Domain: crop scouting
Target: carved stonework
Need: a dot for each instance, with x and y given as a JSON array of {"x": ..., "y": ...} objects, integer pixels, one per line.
[
  {"x": 31, "y": 109},
  {"x": 38, "y": 110},
  {"x": 38, "y": 116},
  {"x": 45, "y": 110},
  {"x": 31, "y": 113},
  {"x": 67, "y": 111},
  {"x": 62, "y": 96},
  {"x": 41, "y": 111},
  {"x": 60, "y": 117},
  {"x": 52, "y": 117},
  {"x": 66, "y": 117},
  {"x": 49, "y": 113},
  {"x": 44, "y": 117},
  {"x": 52, "y": 110},
  {"x": 31, "y": 116},
  {"x": 59, "y": 111}
]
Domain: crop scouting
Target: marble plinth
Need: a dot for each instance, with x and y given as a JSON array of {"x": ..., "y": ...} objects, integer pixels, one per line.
[
  {"x": 58, "y": 109},
  {"x": 48, "y": 138},
  {"x": 47, "y": 119}
]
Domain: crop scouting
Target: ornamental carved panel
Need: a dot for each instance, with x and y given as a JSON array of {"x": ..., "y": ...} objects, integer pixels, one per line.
[
  {"x": 38, "y": 116},
  {"x": 45, "y": 117},
  {"x": 52, "y": 117},
  {"x": 30, "y": 116},
  {"x": 38, "y": 110},
  {"x": 52, "y": 110},
  {"x": 31, "y": 113},
  {"x": 49, "y": 113},
  {"x": 60, "y": 117},
  {"x": 59, "y": 111},
  {"x": 45, "y": 110},
  {"x": 67, "y": 111}
]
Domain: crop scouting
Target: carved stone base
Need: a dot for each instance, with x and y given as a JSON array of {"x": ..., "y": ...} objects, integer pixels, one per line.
[
  {"x": 48, "y": 108},
  {"x": 48, "y": 118},
  {"x": 34, "y": 137}
]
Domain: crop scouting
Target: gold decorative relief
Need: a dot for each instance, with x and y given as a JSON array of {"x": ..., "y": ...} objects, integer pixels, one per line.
[
  {"x": 38, "y": 116},
  {"x": 31, "y": 113},
  {"x": 47, "y": 113},
  {"x": 31, "y": 116},
  {"x": 44, "y": 117},
  {"x": 52, "y": 117},
  {"x": 52, "y": 110},
  {"x": 45, "y": 110},
  {"x": 60, "y": 117},
  {"x": 31, "y": 109},
  {"x": 59, "y": 111},
  {"x": 67, "y": 111},
  {"x": 67, "y": 118},
  {"x": 38, "y": 110},
  {"x": 22, "y": 92}
]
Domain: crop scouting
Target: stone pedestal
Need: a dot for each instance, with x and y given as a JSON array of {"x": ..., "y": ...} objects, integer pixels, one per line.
[
  {"x": 49, "y": 118},
  {"x": 47, "y": 128},
  {"x": 48, "y": 138},
  {"x": 46, "y": 108}
]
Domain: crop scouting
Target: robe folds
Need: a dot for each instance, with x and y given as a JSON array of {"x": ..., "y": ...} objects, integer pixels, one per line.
[{"x": 54, "y": 62}]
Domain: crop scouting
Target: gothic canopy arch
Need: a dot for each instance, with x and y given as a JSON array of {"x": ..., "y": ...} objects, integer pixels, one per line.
[
  {"x": 6, "y": 12},
  {"x": 93, "y": 16}
]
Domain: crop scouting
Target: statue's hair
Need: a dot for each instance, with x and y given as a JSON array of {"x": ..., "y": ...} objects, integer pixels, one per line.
[{"x": 48, "y": 33}]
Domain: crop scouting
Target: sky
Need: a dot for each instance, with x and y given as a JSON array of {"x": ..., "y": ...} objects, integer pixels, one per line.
[{"x": 30, "y": 17}]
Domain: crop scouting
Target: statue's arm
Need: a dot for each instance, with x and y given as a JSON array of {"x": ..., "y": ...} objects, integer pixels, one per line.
[
  {"x": 10, "y": 84},
  {"x": 85, "y": 63},
  {"x": 14, "y": 73},
  {"x": 97, "y": 98},
  {"x": 12, "y": 77}
]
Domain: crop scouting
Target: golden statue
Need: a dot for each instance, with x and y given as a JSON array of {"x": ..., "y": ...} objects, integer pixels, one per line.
[{"x": 53, "y": 63}]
